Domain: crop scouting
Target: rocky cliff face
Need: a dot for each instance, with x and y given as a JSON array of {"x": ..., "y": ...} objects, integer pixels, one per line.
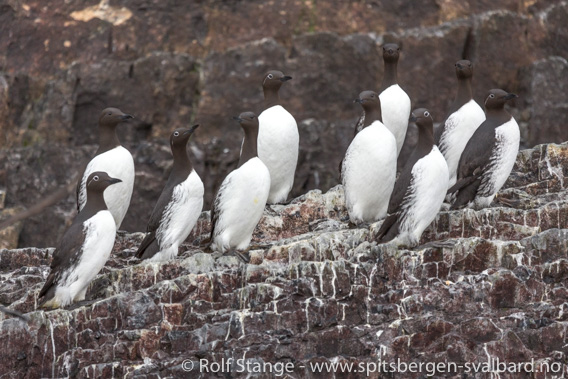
[
  {"x": 173, "y": 64},
  {"x": 484, "y": 285}
]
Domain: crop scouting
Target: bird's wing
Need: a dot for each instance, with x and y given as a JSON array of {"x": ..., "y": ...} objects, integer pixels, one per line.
[
  {"x": 216, "y": 207},
  {"x": 79, "y": 190},
  {"x": 146, "y": 242},
  {"x": 389, "y": 221},
  {"x": 401, "y": 188},
  {"x": 160, "y": 207},
  {"x": 475, "y": 157},
  {"x": 402, "y": 191},
  {"x": 155, "y": 220},
  {"x": 66, "y": 254}
]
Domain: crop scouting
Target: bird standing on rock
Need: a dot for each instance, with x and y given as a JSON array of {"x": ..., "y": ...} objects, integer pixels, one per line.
[
  {"x": 278, "y": 139},
  {"x": 369, "y": 168},
  {"x": 489, "y": 156},
  {"x": 178, "y": 206},
  {"x": 395, "y": 103},
  {"x": 420, "y": 189},
  {"x": 241, "y": 199},
  {"x": 464, "y": 118},
  {"x": 116, "y": 161},
  {"x": 84, "y": 248}
]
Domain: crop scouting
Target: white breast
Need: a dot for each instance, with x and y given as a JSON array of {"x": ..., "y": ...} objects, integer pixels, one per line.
[
  {"x": 278, "y": 144},
  {"x": 100, "y": 232},
  {"x": 179, "y": 217},
  {"x": 395, "y": 110},
  {"x": 429, "y": 183},
  {"x": 459, "y": 128},
  {"x": 242, "y": 198},
  {"x": 507, "y": 139},
  {"x": 369, "y": 173},
  {"x": 117, "y": 163}
]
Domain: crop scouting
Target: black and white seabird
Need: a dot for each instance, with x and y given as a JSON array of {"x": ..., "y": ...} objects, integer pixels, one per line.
[
  {"x": 463, "y": 119},
  {"x": 369, "y": 167},
  {"x": 420, "y": 189},
  {"x": 178, "y": 207},
  {"x": 84, "y": 248},
  {"x": 278, "y": 139},
  {"x": 489, "y": 156},
  {"x": 116, "y": 161},
  {"x": 241, "y": 199},
  {"x": 395, "y": 103}
]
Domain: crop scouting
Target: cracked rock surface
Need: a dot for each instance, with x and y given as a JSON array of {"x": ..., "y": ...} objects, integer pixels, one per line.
[{"x": 487, "y": 284}]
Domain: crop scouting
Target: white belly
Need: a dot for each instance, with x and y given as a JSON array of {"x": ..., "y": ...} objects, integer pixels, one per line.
[
  {"x": 278, "y": 144},
  {"x": 507, "y": 139},
  {"x": 117, "y": 163},
  {"x": 429, "y": 181},
  {"x": 459, "y": 128},
  {"x": 395, "y": 110},
  {"x": 179, "y": 217},
  {"x": 242, "y": 198},
  {"x": 100, "y": 232},
  {"x": 369, "y": 173}
]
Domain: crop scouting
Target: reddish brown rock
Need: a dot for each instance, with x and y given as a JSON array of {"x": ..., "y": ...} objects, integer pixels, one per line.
[{"x": 485, "y": 285}]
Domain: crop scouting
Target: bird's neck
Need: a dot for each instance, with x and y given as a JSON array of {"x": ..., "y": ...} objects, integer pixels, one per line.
[
  {"x": 95, "y": 204},
  {"x": 249, "y": 150},
  {"x": 425, "y": 139},
  {"x": 499, "y": 115},
  {"x": 391, "y": 75},
  {"x": 271, "y": 97},
  {"x": 108, "y": 139},
  {"x": 182, "y": 164},
  {"x": 371, "y": 115},
  {"x": 464, "y": 91}
]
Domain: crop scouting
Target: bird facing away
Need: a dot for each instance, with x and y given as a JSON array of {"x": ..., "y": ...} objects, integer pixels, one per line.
[
  {"x": 116, "y": 161},
  {"x": 178, "y": 206},
  {"x": 420, "y": 189},
  {"x": 369, "y": 168},
  {"x": 463, "y": 119},
  {"x": 395, "y": 103},
  {"x": 241, "y": 199},
  {"x": 84, "y": 248},
  {"x": 278, "y": 139},
  {"x": 489, "y": 156}
]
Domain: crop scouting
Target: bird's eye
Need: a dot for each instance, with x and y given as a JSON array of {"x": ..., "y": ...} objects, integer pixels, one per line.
[
  {"x": 96, "y": 178},
  {"x": 109, "y": 113},
  {"x": 270, "y": 76},
  {"x": 176, "y": 134},
  {"x": 492, "y": 96},
  {"x": 426, "y": 114}
]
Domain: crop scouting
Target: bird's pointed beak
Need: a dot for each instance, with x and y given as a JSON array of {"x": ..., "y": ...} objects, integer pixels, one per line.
[
  {"x": 285, "y": 78},
  {"x": 114, "y": 181},
  {"x": 191, "y": 130},
  {"x": 412, "y": 118},
  {"x": 237, "y": 119},
  {"x": 510, "y": 96},
  {"x": 125, "y": 117},
  {"x": 357, "y": 100}
]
